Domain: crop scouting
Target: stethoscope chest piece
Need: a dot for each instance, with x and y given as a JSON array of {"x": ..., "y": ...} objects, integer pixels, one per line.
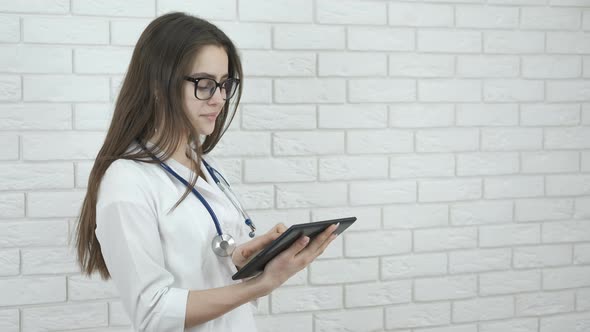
[{"x": 223, "y": 245}]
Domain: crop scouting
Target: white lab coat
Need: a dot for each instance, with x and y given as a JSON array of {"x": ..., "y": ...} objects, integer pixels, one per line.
[{"x": 155, "y": 257}]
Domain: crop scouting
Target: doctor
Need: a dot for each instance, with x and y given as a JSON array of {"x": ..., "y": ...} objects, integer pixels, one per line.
[{"x": 158, "y": 217}]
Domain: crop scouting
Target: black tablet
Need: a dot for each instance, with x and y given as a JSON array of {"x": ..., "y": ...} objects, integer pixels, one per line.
[{"x": 312, "y": 229}]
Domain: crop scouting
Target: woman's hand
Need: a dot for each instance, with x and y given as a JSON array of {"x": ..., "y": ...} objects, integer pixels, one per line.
[
  {"x": 245, "y": 251},
  {"x": 295, "y": 258}
]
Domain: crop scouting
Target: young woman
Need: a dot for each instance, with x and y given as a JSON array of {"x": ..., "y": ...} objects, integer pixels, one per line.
[{"x": 155, "y": 219}]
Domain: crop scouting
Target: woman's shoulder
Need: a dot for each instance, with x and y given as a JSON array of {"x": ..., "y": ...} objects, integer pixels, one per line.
[{"x": 127, "y": 179}]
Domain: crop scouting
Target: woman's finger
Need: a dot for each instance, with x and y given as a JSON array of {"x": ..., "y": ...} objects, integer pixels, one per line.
[
  {"x": 317, "y": 242},
  {"x": 296, "y": 247}
]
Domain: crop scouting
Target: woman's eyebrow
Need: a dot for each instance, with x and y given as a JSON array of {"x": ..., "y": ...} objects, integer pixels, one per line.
[{"x": 207, "y": 75}]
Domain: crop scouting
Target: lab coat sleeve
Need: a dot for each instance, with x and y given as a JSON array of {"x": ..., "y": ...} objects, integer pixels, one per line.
[{"x": 128, "y": 234}]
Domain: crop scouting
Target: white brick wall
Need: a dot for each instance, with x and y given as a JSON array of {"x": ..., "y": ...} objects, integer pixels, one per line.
[{"x": 457, "y": 131}]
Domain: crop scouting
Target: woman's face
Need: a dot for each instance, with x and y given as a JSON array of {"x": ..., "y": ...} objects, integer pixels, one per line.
[{"x": 210, "y": 62}]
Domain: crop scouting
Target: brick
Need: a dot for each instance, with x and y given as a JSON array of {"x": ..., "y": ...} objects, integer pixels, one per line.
[
  {"x": 223, "y": 10},
  {"x": 299, "y": 299},
  {"x": 577, "y": 322},
  {"x": 541, "y": 66},
  {"x": 421, "y": 115},
  {"x": 543, "y": 209},
  {"x": 10, "y": 320},
  {"x": 49, "y": 261},
  {"x": 10, "y": 88},
  {"x": 311, "y": 195},
  {"x": 101, "y": 61},
  {"x": 519, "y": 2},
  {"x": 550, "y": 18},
  {"x": 541, "y": 304},
  {"x": 449, "y": 190},
  {"x": 379, "y": 293},
  {"x": 276, "y": 11},
  {"x": 564, "y": 185},
  {"x": 506, "y": 235},
  {"x": 343, "y": 271},
  {"x": 353, "y": 168},
  {"x": 582, "y": 3},
  {"x": 291, "y": 170},
  {"x": 369, "y": 218},
  {"x": 61, "y": 88},
  {"x": 65, "y": 316},
  {"x": 35, "y": 59},
  {"x": 244, "y": 144},
  {"x": 481, "y": 212},
  {"x": 586, "y": 20},
  {"x": 9, "y": 262},
  {"x": 66, "y": 30},
  {"x": 309, "y": 37},
  {"x": 38, "y": 290},
  {"x": 449, "y": 41},
  {"x": 310, "y": 90},
  {"x": 379, "y": 141},
  {"x": 513, "y": 90},
  {"x": 495, "y": 283},
  {"x": 61, "y": 146},
  {"x": 265, "y": 63},
  {"x": 246, "y": 35},
  {"x": 376, "y": 38},
  {"x": 403, "y": 166},
  {"x": 350, "y": 12},
  {"x": 54, "y": 204},
  {"x": 488, "y": 66},
  {"x": 486, "y": 17},
  {"x": 346, "y": 64},
  {"x": 255, "y": 196},
  {"x": 583, "y": 299},
  {"x": 568, "y": 91},
  {"x": 12, "y": 205},
  {"x": 566, "y": 277},
  {"x": 420, "y": 15},
  {"x": 35, "y": 116},
  {"x": 452, "y": 328},
  {"x": 582, "y": 208},
  {"x": 145, "y": 8},
  {"x": 445, "y": 288},
  {"x": 9, "y": 28},
  {"x": 566, "y": 231},
  {"x": 382, "y": 90},
  {"x": 19, "y": 176},
  {"x": 511, "y": 139},
  {"x": 127, "y": 31},
  {"x": 355, "y": 320},
  {"x": 568, "y": 42},
  {"x": 417, "y": 315},
  {"x": 305, "y": 143},
  {"x": 513, "y": 42},
  {"x": 520, "y": 325},
  {"x": 447, "y": 140},
  {"x": 586, "y": 64},
  {"x": 9, "y": 147},
  {"x": 421, "y": 65},
  {"x": 362, "y": 193},
  {"x": 350, "y": 116},
  {"x": 118, "y": 315},
  {"x": 489, "y": 115},
  {"x": 586, "y": 113},
  {"x": 567, "y": 138},
  {"x": 92, "y": 116},
  {"x": 287, "y": 323},
  {"x": 414, "y": 265},
  {"x": 445, "y": 238},
  {"x": 257, "y": 90},
  {"x": 550, "y": 114},
  {"x": 264, "y": 117},
  {"x": 415, "y": 216},
  {"x": 482, "y": 309},
  {"x": 33, "y": 233},
  {"x": 450, "y": 90},
  {"x": 90, "y": 288},
  {"x": 479, "y": 260},
  {"x": 582, "y": 254},
  {"x": 387, "y": 243},
  {"x": 37, "y": 6},
  {"x": 487, "y": 163}
]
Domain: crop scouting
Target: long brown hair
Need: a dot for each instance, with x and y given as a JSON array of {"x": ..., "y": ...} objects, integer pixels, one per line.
[{"x": 151, "y": 99}]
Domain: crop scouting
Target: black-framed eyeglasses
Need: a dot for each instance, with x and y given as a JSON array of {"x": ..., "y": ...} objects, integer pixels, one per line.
[{"x": 205, "y": 87}]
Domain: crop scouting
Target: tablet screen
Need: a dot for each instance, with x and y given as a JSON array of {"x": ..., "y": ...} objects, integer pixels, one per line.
[{"x": 257, "y": 264}]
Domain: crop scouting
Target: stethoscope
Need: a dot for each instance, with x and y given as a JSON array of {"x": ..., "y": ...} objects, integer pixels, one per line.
[{"x": 222, "y": 244}]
